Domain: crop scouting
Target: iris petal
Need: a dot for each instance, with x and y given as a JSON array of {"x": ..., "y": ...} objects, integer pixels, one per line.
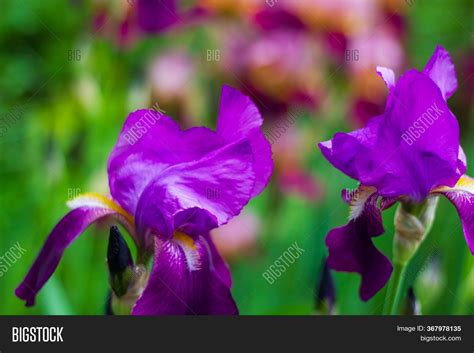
[
  {"x": 175, "y": 288},
  {"x": 239, "y": 118},
  {"x": 219, "y": 184},
  {"x": 441, "y": 70},
  {"x": 387, "y": 75},
  {"x": 156, "y": 15},
  {"x": 351, "y": 248},
  {"x": 90, "y": 209},
  {"x": 462, "y": 197},
  {"x": 149, "y": 143},
  {"x": 409, "y": 150}
]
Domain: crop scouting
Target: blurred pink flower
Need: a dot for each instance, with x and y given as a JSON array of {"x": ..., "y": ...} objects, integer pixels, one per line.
[
  {"x": 346, "y": 16},
  {"x": 172, "y": 80},
  {"x": 170, "y": 74},
  {"x": 289, "y": 152},
  {"x": 281, "y": 67},
  {"x": 238, "y": 237},
  {"x": 380, "y": 48}
]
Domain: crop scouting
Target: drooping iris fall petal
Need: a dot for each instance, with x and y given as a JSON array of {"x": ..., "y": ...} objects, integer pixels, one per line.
[
  {"x": 351, "y": 248},
  {"x": 87, "y": 209},
  {"x": 185, "y": 281}
]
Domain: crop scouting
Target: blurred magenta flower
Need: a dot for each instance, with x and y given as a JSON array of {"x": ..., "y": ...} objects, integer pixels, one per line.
[
  {"x": 169, "y": 188},
  {"x": 133, "y": 19},
  {"x": 409, "y": 153},
  {"x": 277, "y": 17},
  {"x": 233, "y": 7},
  {"x": 280, "y": 67},
  {"x": 156, "y": 15}
]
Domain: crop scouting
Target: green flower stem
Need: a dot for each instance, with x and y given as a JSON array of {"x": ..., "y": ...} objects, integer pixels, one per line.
[
  {"x": 412, "y": 224},
  {"x": 395, "y": 290},
  {"x": 143, "y": 256},
  {"x": 400, "y": 291}
]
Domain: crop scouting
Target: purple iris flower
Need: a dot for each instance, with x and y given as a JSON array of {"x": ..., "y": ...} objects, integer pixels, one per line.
[
  {"x": 409, "y": 153},
  {"x": 276, "y": 18},
  {"x": 154, "y": 16},
  {"x": 169, "y": 188},
  {"x": 157, "y": 15}
]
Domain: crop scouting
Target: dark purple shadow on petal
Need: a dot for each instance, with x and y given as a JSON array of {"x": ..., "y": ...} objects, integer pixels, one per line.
[
  {"x": 194, "y": 221},
  {"x": 351, "y": 250}
]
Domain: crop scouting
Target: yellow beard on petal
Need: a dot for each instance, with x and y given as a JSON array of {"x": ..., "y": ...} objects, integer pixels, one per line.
[
  {"x": 92, "y": 199},
  {"x": 185, "y": 240},
  {"x": 190, "y": 250},
  {"x": 464, "y": 183}
]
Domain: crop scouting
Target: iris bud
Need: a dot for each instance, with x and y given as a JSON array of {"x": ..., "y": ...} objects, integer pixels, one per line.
[
  {"x": 120, "y": 262},
  {"x": 412, "y": 223},
  {"x": 325, "y": 292},
  {"x": 127, "y": 281}
]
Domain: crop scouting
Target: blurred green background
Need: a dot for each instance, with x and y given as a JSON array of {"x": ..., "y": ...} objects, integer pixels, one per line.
[{"x": 70, "y": 87}]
